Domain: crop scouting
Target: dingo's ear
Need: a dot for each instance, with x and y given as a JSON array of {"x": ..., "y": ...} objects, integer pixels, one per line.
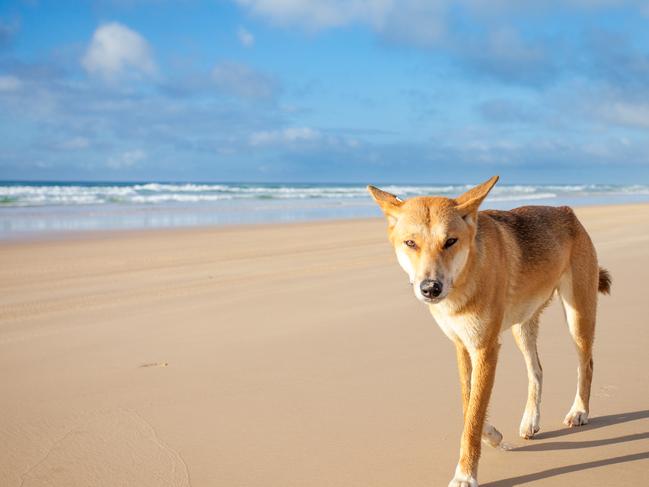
[
  {"x": 388, "y": 202},
  {"x": 469, "y": 202}
]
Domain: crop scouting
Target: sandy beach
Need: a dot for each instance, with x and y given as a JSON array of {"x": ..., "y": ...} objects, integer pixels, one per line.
[{"x": 291, "y": 355}]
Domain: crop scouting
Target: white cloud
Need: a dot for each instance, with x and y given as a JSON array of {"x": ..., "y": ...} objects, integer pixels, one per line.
[
  {"x": 245, "y": 37},
  {"x": 287, "y": 135},
  {"x": 420, "y": 22},
  {"x": 9, "y": 83},
  {"x": 243, "y": 81},
  {"x": 116, "y": 50},
  {"x": 126, "y": 159}
]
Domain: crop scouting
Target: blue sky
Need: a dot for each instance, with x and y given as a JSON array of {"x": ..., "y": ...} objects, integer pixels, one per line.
[{"x": 314, "y": 90}]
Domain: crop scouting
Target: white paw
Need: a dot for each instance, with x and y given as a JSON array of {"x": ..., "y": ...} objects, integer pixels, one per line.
[
  {"x": 576, "y": 417},
  {"x": 462, "y": 479},
  {"x": 529, "y": 425},
  {"x": 463, "y": 482},
  {"x": 491, "y": 436}
]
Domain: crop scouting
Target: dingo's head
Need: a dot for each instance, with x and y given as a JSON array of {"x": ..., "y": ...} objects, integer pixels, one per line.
[{"x": 432, "y": 236}]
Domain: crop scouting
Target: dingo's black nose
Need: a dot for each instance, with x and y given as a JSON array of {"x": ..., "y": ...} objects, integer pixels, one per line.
[{"x": 430, "y": 288}]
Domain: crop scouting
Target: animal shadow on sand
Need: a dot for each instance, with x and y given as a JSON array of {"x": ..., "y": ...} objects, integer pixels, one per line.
[{"x": 595, "y": 423}]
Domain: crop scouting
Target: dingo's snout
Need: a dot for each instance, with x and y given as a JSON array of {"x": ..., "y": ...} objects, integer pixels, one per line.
[{"x": 431, "y": 288}]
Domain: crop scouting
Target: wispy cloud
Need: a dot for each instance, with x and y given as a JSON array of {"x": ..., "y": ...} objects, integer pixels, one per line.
[
  {"x": 483, "y": 38},
  {"x": 504, "y": 55},
  {"x": 74, "y": 143},
  {"x": 501, "y": 110},
  {"x": 319, "y": 14},
  {"x": 245, "y": 37},
  {"x": 616, "y": 60},
  {"x": 8, "y": 29},
  {"x": 9, "y": 83},
  {"x": 126, "y": 159},
  {"x": 287, "y": 135},
  {"x": 243, "y": 81}
]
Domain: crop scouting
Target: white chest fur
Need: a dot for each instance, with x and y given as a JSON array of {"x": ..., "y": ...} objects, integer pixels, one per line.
[
  {"x": 471, "y": 329},
  {"x": 467, "y": 328}
]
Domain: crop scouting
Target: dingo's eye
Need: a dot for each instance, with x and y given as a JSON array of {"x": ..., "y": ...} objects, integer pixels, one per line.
[
  {"x": 450, "y": 242},
  {"x": 410, "y": 243}
]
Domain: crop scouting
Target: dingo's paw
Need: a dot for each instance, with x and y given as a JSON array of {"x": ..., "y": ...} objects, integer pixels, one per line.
[
  {"x": 576, "y": 417},
  {"x": 529, "y": 425},
  {"x": 467, "y": 481},
  {"x": 462, "y": 479},
  {"x": 491, "y": 436}
]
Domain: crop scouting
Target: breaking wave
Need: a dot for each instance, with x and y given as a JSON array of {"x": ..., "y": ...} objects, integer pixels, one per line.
[{"x": 80, "y": 194}]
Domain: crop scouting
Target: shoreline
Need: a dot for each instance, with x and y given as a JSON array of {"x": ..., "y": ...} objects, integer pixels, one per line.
[
  {"x": 51, "y": 208},
  {"x": 98, "y": 233}
]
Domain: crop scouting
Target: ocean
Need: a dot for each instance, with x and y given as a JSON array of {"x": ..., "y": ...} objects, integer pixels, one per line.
[{"x": 38, "y": 208}]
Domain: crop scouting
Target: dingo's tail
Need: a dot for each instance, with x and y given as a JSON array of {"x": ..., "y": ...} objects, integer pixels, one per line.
[{"x": 605, "y": 281}]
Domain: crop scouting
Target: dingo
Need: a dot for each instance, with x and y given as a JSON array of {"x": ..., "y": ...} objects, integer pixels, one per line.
[{"x": 483, "y": 272}]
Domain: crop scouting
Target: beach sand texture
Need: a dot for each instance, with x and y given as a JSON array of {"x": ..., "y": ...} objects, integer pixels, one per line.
[{"x": 291, "y": 355}]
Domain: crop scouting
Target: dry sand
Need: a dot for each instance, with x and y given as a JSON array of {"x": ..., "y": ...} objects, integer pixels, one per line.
[{"x": 290, "y": 355}]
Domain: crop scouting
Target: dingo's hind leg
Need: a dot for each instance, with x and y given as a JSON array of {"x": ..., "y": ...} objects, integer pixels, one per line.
[
  {"x": 578, "y": 291},
  {"x": 526, "y": 335}
]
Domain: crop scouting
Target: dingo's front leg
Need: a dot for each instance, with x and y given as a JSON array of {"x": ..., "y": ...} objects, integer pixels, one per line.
[
  {"x": 482, "y": 379},
  {"x": 490, "y": 435}
]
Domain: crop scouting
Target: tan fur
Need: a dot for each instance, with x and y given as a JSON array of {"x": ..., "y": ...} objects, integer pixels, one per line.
[{"x": 501, "y": 272}]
